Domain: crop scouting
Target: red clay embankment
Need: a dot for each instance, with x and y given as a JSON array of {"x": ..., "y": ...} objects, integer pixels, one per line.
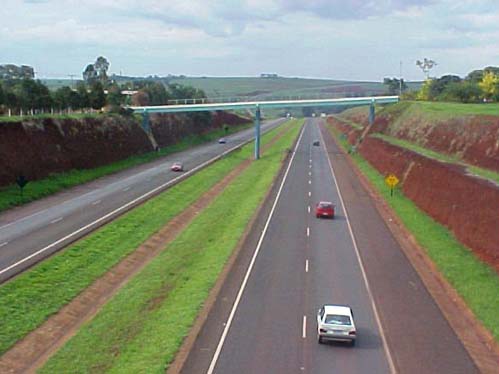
[
  {"x": 37, "y": 148},
  {"x": 464, "y": 204}
]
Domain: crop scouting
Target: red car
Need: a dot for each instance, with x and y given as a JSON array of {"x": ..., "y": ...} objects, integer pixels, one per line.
[
  {"x": 177, "y": 166},
  {"x": 324, "y": 209}
]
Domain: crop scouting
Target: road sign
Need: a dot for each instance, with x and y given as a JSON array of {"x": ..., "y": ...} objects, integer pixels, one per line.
[{"x": 391, "y": 180}]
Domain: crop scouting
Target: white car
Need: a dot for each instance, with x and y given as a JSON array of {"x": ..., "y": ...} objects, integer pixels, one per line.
[{"x": 335, "y": 322}]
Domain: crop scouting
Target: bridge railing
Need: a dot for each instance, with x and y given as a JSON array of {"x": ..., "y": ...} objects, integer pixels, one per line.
[{"x": 263, "y": 98}]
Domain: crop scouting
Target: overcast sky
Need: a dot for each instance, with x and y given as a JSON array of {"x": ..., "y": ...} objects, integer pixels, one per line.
[{"x": 338, "y": 39}]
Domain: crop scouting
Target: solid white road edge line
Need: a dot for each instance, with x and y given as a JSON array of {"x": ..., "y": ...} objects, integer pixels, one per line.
[
  {"x": 89, "y": 193},
  {"x": 252, "y": 262},
  {"x": 361, "y": 265},
  {"x": 123, "y": 207},
  {"x": 304, "y": 328}
]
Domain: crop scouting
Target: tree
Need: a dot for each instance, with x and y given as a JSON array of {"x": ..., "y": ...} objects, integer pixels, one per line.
[
  {"x": 424, "y": 91},
  {"x": 90, "y": 74},
  {"x": 97, "y": 96},
  {"x": 97, "y": 71},
  {"x": 82, "y": 95},
  {"x": 114, "y": 97},
  {"x": 394, "y": 85},
  {"x": 101, "y": 66},
  {"x": 438, "y": 85},
  {"x": 465, "y": 92},
  {"x": 2, "y": 96},
  {"x": 62, "y": 97},
  {"x": 489, "y": 85}
]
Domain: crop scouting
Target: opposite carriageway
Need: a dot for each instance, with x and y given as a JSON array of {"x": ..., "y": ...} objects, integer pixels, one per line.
[{"x": 258, "y": 105}]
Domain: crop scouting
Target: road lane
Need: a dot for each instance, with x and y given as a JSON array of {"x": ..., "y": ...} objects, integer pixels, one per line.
[
  {"x": 43, "y": 225},
  {"x": 266, "y": 335},
  {"x": 294, "y": 274}
]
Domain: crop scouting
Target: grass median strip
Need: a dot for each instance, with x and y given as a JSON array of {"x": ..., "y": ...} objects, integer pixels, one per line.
[
  {"x": 142, "y": 327},
  {"x": 475, "y": 281},
  {"x": 10, "y": 195},
  {"x": 29, "y": 299}
]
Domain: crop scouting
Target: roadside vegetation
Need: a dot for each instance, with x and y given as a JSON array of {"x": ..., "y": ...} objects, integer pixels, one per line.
[
  {"x": 30, "y": 298},
  {"x": 10, "y": 196},
  {"x": 475, "y": 281},
  {"x": 142, "y": 327},
  {"x": 479, "y": 86}
]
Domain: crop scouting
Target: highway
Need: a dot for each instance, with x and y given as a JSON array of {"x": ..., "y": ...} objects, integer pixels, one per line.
[
  {"x": 36, "y": 230},
  {"x": 264, "y": 319}
]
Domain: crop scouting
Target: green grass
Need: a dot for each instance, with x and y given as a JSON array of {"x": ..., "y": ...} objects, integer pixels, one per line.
[
  {"x": 142, "y": 327},
  {"x": 10, "y": 196},
  {"x": 54, "y": 116},
  {"x": 434, "y": 111},
  {"x": 484, "y": 173},
  {"x": 30, "y": 298},
  {"x": 475, "y": 281}
]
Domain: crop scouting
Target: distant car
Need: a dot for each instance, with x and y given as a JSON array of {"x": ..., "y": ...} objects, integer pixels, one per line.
[
  {"x": 316, "y": 143},
  {"x": 335, "y": 322},
  {"x": 222, "y": 141},
  {"x": 177, "y": 166},
  {"x": 324, "y": 209}
]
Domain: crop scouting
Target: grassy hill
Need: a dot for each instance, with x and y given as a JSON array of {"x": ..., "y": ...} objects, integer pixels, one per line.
[{"x": 264, "y": 88}]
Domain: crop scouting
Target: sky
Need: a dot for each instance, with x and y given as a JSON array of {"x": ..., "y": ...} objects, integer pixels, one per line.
[{"x": 336, "y": 39}]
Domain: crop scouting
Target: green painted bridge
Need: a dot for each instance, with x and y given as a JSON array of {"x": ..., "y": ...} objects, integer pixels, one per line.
[{"x": 259, "y": 105}]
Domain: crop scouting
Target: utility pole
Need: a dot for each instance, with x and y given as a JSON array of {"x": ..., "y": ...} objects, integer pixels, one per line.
[{"x": 72, "y": 76}]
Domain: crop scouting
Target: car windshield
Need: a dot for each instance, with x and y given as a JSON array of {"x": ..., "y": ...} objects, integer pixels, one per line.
[
  {"x": 324, "y": 205},
  {"x": 335, "y": 319}
]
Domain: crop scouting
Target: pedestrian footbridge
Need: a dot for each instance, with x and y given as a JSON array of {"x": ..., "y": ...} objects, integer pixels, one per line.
[{"x": 257, "y": 106}]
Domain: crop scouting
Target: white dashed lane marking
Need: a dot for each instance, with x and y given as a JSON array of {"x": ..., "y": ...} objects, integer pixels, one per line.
[
  {"x": 306, "y": 266},
  {"x": 304, "y": 328},
  {"x": 4, "y": 244},
  {"x": 308, "y": 231},
  {"x": 96, "y": 202},
  {"x": 57, "y": 220}
]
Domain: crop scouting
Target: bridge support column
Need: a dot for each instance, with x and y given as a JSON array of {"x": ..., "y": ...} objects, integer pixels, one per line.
[
  {"x": 371, "y": 113},
  {"x": 257, "y": 133},
  {"x": 145, "y": 121}
]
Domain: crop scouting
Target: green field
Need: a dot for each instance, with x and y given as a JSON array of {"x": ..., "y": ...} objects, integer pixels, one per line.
[
  {"x": 30, "y": 298},
  {"x": 142, "y": 327},
  {"x": 475, "y": 281},
  {"x": 266, "y": 88}
]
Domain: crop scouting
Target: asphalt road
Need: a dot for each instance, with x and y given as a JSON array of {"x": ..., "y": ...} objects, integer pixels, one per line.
[
  {"x": 34, "y": 231},
  {"x": 264, "y": 320}
]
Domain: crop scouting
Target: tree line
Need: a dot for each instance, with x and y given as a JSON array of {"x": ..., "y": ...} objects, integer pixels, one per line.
[
  {"x": 29, "y": 96},
  {"x": 478, "y": 86},
  {"x": 20, "y": 93}
]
